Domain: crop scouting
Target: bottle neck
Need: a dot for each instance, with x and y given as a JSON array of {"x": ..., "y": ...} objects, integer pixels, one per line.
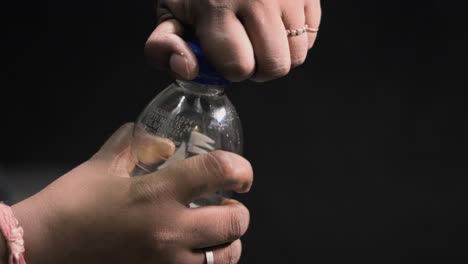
[{"x": 202, "y": 89}]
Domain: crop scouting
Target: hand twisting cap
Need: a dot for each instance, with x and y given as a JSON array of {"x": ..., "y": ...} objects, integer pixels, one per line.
[{"x": 207, "y": 75}]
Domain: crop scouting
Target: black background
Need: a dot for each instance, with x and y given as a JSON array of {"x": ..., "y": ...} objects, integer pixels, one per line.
[{"x": 359, "y": 155}]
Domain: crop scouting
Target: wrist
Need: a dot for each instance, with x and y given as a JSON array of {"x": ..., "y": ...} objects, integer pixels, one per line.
[{"x": 31, "y": 215}]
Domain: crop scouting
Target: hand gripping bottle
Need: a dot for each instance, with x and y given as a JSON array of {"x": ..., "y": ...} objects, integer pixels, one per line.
[{"x": 186, "y": 119}]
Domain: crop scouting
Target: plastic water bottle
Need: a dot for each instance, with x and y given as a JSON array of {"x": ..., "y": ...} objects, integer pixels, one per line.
[{"x": 187, "y": 118}]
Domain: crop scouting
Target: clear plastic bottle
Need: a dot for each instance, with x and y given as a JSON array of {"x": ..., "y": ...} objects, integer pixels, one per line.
[{"x": 187, "y": 118}]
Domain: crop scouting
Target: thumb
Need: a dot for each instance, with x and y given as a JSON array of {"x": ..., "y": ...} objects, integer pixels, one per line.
[
  {"x": 166, "y": 50},
  {"x": 117, "y": 143}
]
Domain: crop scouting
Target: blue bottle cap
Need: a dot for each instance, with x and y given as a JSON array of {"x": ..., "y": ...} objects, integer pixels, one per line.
[{"x": 207, "y": 75}]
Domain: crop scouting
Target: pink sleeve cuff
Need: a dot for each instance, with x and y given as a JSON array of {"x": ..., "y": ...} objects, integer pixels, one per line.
[{"x": 13, "y": 234}]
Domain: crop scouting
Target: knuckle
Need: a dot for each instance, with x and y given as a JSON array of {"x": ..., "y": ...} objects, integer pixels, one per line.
[
  {"x": 157, "y": 41},
  {"x": 279, "y": 70},
  {"x": 237, "y": 223},
  {"x": 234, "y": 227},
  {"x": 165, "y": 235},
  {"x": 217, "y": 6},
  {"x": 244, "y": 219},
  {"x": 142, "y": 192},
  {"x": 237, "y": 71},
  {"x": 273, "y": 70},
  {"x": 164, "y": 241},
  {"x": 217, "y": 163},
  {"x": 162, "y": 39},
  {"x": 153, "y": 47},
  {"x": 297, "y": 60}
]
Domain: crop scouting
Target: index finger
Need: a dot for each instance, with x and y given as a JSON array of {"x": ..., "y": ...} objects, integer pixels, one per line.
[{"x": 205, "y": 174}]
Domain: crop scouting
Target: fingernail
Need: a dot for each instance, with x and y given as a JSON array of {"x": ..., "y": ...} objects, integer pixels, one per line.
[{"x": 178, "y": 63}]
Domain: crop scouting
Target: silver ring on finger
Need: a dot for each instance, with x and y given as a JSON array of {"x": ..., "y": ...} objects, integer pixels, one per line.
[
  {"x": 209, "y": 257},
  {"x": 300, "y": 31}
]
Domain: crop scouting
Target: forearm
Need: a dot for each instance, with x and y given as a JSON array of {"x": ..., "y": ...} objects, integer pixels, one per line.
[
  {"x": 31, "y": 214},
  {"x": 3, "y": 249}
]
